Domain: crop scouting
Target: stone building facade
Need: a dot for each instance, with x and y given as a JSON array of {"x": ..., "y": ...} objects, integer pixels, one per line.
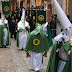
[{"x": 65, "y": 4}]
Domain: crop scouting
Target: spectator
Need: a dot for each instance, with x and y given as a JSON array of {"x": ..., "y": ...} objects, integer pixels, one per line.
[
  {"x": 16, "y": 22},
  {"x": 15, "y": 16},
  {"x": 0, "y": 14},
  {"x": 27, "y": 13},
  {"x": 55, "y": 17},
  {"x": 12, "y": 27},
  {"x": 32, "y": 24},
  {"x": 19, "y": 14},
  {"x": 52, "y": 24}
]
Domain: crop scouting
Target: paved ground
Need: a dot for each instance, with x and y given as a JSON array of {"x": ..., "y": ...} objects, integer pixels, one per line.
[{"x": 14, "y": 60}]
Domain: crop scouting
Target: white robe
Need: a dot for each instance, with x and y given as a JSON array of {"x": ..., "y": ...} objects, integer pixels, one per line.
[
  {"x": 45, "y": 28},
  {"x": 5, "y": 35},
  {"x": 22, "y": 40},
  {"x": 58, "y": 38},
  {"x": 36, "y": 61},
  {"x": 61, "y": 65},
  {"x": 58, "y": 28}
]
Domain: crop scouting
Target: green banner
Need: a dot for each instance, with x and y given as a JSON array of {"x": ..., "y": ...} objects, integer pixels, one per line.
[
  {"x": 41, "y": 17},
  {"x": 6, "y": 8}
]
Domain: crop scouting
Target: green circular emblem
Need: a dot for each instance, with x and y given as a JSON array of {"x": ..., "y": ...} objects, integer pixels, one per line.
[
  {"x": 6, "y": 8},
  {"x": 34, "y": 41},
  {"x": 41, "y": 17}
]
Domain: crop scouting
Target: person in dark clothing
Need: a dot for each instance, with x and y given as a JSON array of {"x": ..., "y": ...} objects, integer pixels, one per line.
[
  {"x": 12, "y": 27},
  {"x": 52, "y": 26},
  {"x": 15, "y": 17},
  {"x": 13, "y": 13},
  {"x": 16, "y": 22},
  {"x": 30, "y": 14},
  {"x": 19, "y": 14},
  {"x": 32, "y": 24},
  {"x": 27, "y": 19},
  {"x": 0, "y": 14},
  {"x": 16, "y": 13},
  {"x": 55, "y": 18},
  {"x": 10, "y": 17},
  {"x": 27, "y": 13}
]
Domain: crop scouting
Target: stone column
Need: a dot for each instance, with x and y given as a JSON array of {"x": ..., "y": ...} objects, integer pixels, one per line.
[
  {"x": 48, "y": 12},
  {"x": 30, "y": 3},
  {"x": 0, "y": 6},
  {"x": 34, "y": 3},
  {"x": 23, "y": 3},
  {"x": 64, "y": 5},
  {"x": 18, "y": 3},
  {"x": 70, "y": 8},
  {"x": 67, "y": 6},
  {"x": 11, "y": 5}
]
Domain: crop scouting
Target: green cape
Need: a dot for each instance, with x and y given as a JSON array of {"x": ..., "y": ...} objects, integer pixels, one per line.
[
  {"x": 2, "y": 35},
  {"x": 8, "y": 38},
  {"x": 54, "y": 59},
  {"x": 37, "y": 43},
  {"x": 50, "y": 42},
  {"x": 17, "y": 39}
]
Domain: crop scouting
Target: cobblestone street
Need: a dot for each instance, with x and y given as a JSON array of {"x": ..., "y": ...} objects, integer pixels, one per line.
[{"x": 14, "y": 60}]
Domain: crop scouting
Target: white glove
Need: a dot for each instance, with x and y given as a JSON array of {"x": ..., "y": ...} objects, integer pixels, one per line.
[
  {"x": 69, "y": 52},
  {"x": 57, "y": 50}
]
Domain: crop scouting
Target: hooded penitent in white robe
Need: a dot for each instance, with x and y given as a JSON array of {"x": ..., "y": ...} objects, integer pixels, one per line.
[
  {"x": 5, "y": 31},
  {"x": 6, "y": 35},
  {"x": 22, "y": 35},
  {"x": 37, "y": 44},
  {"x": 36, "y": 61},
  {"x": 22, "y": 32},
  {"x": 60, "y": 54}
]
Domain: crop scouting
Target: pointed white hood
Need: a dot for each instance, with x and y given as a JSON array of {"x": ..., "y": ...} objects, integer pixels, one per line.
[
  {"x": 6, "y": 21},
  {"x": 2, "y": 17},
  {"x": 23, "y": 16},
  {"x": 23, "y": 23},
  {"x": 64, "y": 21}
]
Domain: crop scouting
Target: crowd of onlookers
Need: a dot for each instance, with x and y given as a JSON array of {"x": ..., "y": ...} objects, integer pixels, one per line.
[
  {"x": 53, "y": 23},
  {"x": 15, "y": 17}
]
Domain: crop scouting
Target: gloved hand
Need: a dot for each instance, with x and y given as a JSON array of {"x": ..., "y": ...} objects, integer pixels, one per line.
[
  {"x": 69, "y": 52},
  {"x": 61, "y": 40}
]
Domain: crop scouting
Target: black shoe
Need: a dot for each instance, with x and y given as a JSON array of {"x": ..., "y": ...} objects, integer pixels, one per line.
[
  {"x": 4, "y": 46},
  {"x": 11, "y": 37},
  {"x": 27, "y": 55},
  {"x": 38, "y": 71},
  {"x": 45, "y": 54},
  {"x": 22, "y": 49}
]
